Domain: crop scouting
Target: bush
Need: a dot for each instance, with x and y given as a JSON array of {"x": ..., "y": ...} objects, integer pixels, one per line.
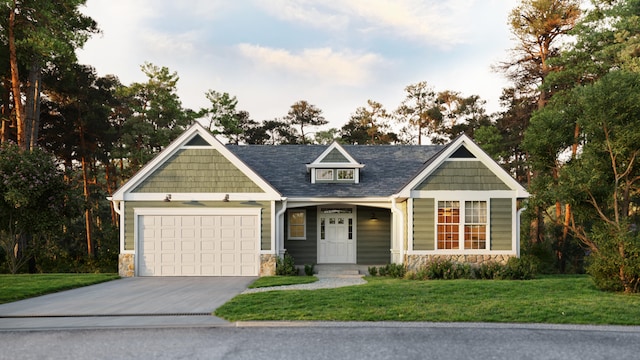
[
  {"x": 285, "y": 266},
  {"x": 373, "y": 271},
  {"x": 308, "y": 269},
  {"x": 523, "y": 268},
  {"x": 489, "y": 271},
  {"x": 612, "y": 270}
]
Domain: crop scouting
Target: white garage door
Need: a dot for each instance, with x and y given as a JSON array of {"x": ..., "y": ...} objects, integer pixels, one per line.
[{"x": 198, "y": 245}]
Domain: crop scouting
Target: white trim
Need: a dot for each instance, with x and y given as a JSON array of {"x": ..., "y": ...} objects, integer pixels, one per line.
[
  {"x": 462, "y": 194},
  {"x": 462, "y": 222},
  {"x": 335, "y": 145},
  {"x": 461, "y": 252},
  {"x": 176, "y": 145},
  {"x": 200, "y": 197},
  {"x": 480, "y": 155}
]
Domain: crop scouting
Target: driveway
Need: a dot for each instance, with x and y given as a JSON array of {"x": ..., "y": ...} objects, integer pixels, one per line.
[{"x": 129, "y": 302}]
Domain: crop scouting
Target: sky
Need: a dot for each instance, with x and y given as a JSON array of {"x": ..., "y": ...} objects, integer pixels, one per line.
[{"x": 334, "y": 54}]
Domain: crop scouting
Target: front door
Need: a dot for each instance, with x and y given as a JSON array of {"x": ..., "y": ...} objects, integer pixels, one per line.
[{"x": 337, "y": 238}]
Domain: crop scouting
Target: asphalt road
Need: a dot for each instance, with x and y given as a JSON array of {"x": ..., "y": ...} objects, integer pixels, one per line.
[{"x": 329, "y": 341}]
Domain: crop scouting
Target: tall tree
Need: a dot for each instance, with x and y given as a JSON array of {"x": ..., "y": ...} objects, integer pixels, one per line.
[
  {"x": 420, "y": 109},
  {"x": 39, "y": 34},
  {"x": 369, "y": 125},
  {"x": 304, "y": 114},
  {"x": 154, "y": 115}
]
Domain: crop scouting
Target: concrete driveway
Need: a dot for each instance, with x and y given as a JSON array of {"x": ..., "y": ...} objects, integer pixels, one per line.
[{"x": 129, "y": 302}]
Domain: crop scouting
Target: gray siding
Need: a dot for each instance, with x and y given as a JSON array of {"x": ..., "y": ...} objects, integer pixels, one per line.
[
  {"x": 423, "y": 224},
  {"x": 304, "y": 251},
  {"x": 462, "y": 175},
  {"x": 198, "y": 171},
  {"x": 501, "y": 220},
  {"x": 334, "y": 156},
  {"x": 265, "y": 241},
  {"x": 373, "y": 236}
]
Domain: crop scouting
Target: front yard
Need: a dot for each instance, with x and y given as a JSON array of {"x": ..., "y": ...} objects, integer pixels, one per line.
[
  {"x": 22, "y": 286},
  {"x": 553, "y": 299}
]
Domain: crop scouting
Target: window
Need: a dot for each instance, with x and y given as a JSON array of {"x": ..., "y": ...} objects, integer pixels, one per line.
[
  {"x": 345, "y": 174},
  {"x": 448, "y": 224},
  {"x": 297, "y": 224},
  {"x": 324, "y": 174},
  {"x": 474, "y": 226}
]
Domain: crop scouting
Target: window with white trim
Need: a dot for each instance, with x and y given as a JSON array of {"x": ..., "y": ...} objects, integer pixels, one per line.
[
  {"x": 324, "y": 174},
  {"x": 468, "y": 223},
  {"x": 297, "y": 224},
  {"x": 345, "y": 174}
]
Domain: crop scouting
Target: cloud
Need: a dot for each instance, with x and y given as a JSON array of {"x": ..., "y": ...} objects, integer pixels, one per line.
[
  {"x": 431, "y": 22},
  {"x": 321, "y": 64}
]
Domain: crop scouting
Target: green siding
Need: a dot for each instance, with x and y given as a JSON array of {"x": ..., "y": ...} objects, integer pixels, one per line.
[
  {"x": 373, "y": 236},
  {"x": 501, "y": 221},
  {"x": 265, "y": 242},
  {"x": 334, "y": 156},
  {"x": 198, "y": 171},
  {"x": 304, "y": 251},
  {"x": 462, "y": 175},
  {"x": 423, "y": 224}
]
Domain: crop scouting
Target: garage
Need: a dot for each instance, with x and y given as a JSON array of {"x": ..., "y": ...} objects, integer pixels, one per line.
[{"x": 180, "y": 243}]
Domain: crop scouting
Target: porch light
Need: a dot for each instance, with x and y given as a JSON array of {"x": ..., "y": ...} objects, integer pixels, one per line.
[
  {"x": 373, "y": 216},
  {"x": 226, "y": 198},
  {"x": 167, "y": 198}
]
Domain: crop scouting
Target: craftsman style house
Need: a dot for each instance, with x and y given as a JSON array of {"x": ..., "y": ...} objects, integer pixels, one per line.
[{"x": 202, "y": 208}]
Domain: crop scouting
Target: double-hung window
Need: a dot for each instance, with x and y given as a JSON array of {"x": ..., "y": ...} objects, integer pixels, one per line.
[
  {"x": 297, "y": 224},
  {"x": 462, "y": 220}
]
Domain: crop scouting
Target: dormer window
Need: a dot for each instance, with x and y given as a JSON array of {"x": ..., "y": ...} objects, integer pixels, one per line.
[{"x": 335, "y": 165}]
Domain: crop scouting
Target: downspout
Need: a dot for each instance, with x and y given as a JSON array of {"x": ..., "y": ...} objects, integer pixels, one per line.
[
  {"x": 399, "y": 226},
  {"x": 280, "y": 229},
  {"x": 518, "y": 221}
]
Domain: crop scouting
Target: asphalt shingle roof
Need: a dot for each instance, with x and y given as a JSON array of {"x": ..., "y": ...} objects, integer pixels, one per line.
[{"x": 387, "y": 168}]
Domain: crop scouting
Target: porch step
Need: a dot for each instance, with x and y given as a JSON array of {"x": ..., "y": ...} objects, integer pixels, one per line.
[{"x": 341, "y": 270}]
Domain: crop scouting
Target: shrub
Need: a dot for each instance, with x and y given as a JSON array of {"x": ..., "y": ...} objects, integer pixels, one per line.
[
  {"x": 373, "y": 271},
  {"x": 523, "y": 268},
  {"x": 611, "y": 269},
  {"x": 396, "y": 270},
  {"x": 438, "y": 269},
  {"x": 489, "y": 271},
  {"x": 286, "y": 266},
  {"x": 308, "y": 269}
]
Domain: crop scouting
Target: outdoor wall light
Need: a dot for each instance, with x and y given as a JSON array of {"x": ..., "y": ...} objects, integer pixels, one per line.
[
  {"x": 226, "y": 198},
  {"x": 167, "y": 198},
  {"x": 373, "y": 216}
]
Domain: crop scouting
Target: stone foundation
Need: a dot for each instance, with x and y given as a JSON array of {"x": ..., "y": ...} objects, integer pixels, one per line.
[
  {"x": 416, "y": 262},
  {"x": 267, "y": 264},
  {"x": 126, "y": 266}
]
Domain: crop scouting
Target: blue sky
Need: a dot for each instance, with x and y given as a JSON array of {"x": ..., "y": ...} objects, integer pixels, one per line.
[{"x": 334, "y": 54}]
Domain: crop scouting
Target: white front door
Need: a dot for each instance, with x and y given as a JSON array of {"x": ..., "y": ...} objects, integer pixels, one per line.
[{"x": 336, "y": 235}]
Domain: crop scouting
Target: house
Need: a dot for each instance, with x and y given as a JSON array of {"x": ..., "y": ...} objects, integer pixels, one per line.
[{"x": 202, "y": 208}]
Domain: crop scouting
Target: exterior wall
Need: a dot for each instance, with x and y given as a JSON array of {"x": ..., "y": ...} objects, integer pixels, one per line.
[
  {"x": 267, "y": 264},
  {"x": 373, "y": 236},
  {"x": 416, "y": 262},
  {"x": 334, "y": 156},
  {"x": 198, "y": 171},
  {"x": 462, "y": 175},
  {"x": 501, "y": 224},
  {"x": 304, "y": 251},
  {"x": 130, "y": 206},
  {"x": 126, "y": 265},
  {"x": 423, "y": 224}
]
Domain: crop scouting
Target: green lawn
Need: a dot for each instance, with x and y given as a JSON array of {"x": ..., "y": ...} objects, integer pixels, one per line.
[
  {"x": 22, "y": 286},
  {"x": 557, "y": 299},
  {"x": 268, "y": 281}
]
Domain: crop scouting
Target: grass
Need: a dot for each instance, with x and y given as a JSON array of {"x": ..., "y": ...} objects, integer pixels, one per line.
[
  {"x": 553, "y": 299},
  {"x": 22, "y": 286},
  {"x": 268, "y": 281}
]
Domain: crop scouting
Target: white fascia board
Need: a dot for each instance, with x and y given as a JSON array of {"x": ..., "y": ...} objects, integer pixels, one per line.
[
  {"x": 341, "y": 165},
  {"x": 463, "y": 194},
  {"x": 200, "y": 197},
  {"x": 176, "y": 145},
  {"x": 197, "y": 211},
  {"x": 326, "y": 200},
  {"x": 334, "y": 145},
  {"x": 480, "y": 155}
]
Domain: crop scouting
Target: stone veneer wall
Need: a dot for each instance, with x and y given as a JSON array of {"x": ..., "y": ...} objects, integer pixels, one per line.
[
  {"x": 416, "y": 262},
  {"x": 126, "y": 267},
  {"x": 267, "y": 264}
]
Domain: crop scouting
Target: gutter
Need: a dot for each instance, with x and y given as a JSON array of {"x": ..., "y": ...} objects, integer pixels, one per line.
[
  {"x": 400, "y": 239},
  {"x": 280, "y": 229},
  {"x": 116, "y": 205}
]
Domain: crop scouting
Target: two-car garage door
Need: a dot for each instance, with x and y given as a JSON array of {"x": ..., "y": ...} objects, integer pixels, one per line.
[{"x": 198, "y": 244}]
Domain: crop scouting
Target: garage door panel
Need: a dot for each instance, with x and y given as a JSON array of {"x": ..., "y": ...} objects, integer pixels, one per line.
[{"x": 203, "y": 245}]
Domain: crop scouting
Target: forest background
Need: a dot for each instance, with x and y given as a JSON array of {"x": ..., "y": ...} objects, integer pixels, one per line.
[{"x": 567, "y": 130}]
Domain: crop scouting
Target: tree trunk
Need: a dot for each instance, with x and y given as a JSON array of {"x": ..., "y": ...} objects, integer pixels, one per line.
[
  {"x": 85, "y": 189},
  {"x": 32, "y": 110},
  {"x": 15, "y": 79}
]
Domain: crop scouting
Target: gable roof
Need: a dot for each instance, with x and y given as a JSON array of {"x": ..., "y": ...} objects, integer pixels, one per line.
[
  {"x": 386, "y": 168},
  {"x": 195, "y": 136},
  {"x": 471, "y": 148},
  {"x": 335, "y": 156}
]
